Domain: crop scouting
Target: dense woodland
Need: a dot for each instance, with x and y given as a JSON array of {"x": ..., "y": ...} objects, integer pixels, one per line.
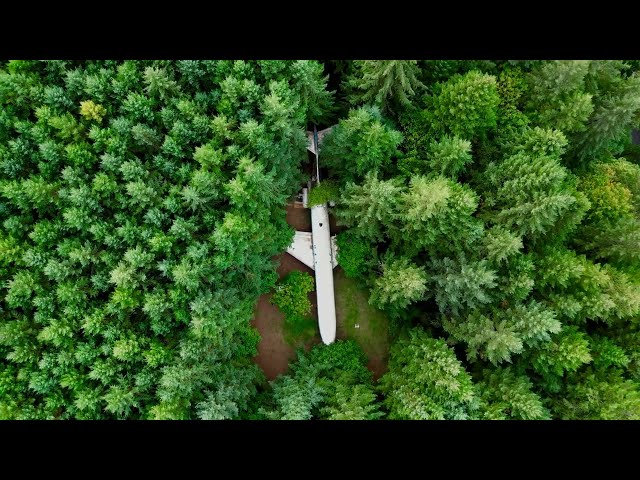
[{"x": 492, "y": 209}]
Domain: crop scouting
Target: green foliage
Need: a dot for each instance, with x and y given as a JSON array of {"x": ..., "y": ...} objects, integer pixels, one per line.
[
  {"x": 291, "y": 295},
  {"x": 439, "y": 210},
  {"x": 370, "y": 209},
  {"x": 141, "y": 204},
  {"x": 354, "y": 254},
  {"x": 449, "y": 156},
  {"x": 530, "y": 191},
  {"x": 612, "y": 227},
  {"x": 600, "y": 398},
  {"x": 616, "y": 103},
  {"x": 505, "y": 332},
  {"x": 425, "y": 381},
  {"x": 329, "y": 382},
  {"x": 359, "y": 144},
  {"x": 606, "y": 353},
  {"x": 567, "y": 352},
  {"x": 579, "y": 289},
  {"x": 557, "y": 97},
  {"x": 352, "y": 403},
  {"x": 92, "y": 111},
  {"x": 509, "y": 396},
  {"x": 459, "y": 285},
  {"x": 464, "y": 106},
  {"x": 325, "y": 192},
  {"x": 400, "y": 284},
  {"x": 385, "y": 83},
  {"x": 500, "y": 244}
]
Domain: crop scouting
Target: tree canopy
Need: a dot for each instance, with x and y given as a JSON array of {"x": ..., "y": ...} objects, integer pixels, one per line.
[{"x": 490, "y": 208}]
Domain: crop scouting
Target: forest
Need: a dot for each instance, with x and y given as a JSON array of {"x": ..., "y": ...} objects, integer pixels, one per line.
[{"x": 490, "y": 209}]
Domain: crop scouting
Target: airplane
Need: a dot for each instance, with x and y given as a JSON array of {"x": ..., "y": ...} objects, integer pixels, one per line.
[{"x": 318, "y": 250}]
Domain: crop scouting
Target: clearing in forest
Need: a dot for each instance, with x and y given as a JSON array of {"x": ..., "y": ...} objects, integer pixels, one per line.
[
  {"x": 355, "y": 318},
  {"x": 360, "y": 321}
]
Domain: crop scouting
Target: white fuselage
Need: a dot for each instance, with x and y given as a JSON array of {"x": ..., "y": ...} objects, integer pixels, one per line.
[{"x": 323, "y": 266}]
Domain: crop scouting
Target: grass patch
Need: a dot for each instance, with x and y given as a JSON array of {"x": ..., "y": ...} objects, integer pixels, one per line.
[
  {"x": 297, "y": 332},
  {"x": 365, "y": 324}
]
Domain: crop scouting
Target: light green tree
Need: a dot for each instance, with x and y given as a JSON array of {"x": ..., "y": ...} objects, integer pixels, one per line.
[
  {"x": 460, "y": 285},
  {"x": 400, "y": 284},
  {"x": 497, "y": 336},
  {"x": 426, "y": 381},
  {"x": 464, "y": 106},
  {"x": 372, "y": 208},
  {"x": 437, "y": 214},
  {"x": 449, "y": 156}
]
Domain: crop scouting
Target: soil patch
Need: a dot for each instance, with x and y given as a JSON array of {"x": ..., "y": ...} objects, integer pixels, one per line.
[{"x": 274, "y": 353}]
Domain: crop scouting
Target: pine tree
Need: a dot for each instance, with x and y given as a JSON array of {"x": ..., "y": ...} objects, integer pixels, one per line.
[
  {"x": 460, "y": 285},
  {"x": 504, "y": 332},
  {"x": 557, "y": 97},
  {"x": 426, "y": 381},
  {"x": 612, "y": 227},
  {"x": 372, "y": 208},
  {"x": 328, "y": 382},
  {"x": 437, "y": 215},
  {"x": 311, "y": 86},
  {"x": 510, "y": 396},
  {"x": 566, "y": 352},
  {"x": 530, "y": 192},
  {"x": 360, "y": 144},
  {"x": 390, "y": 84},
  {"x": 449, "y": 156},
  {"x": 464, "y": 106},
  {"x": 353, "y": 403},
  {"x": 616, "y": 106},
  {"x": 401, "y": 284},
  {"x": 599, "y": 397},
  {"x": 500, "y": 244}
]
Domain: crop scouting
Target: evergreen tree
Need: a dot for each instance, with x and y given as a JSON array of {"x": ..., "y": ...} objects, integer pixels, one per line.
[
  {"x": 425, "y": 381},
  {"x": 359, "y": 144},
  {"x": 557, "y": 97},
  {"x": 387, "y": 83},
  {"x": 449, "y": 156},
  {"x": 400, "y": 284},
  {"x": 464, "y": 106},
  {"x": 460, "y": 285},
  {"x": 370, "y": 209},
  {"x": 437, "y": 215},
  {"x": 496, "y": 337},
  {"x": 509, "y": 396},
  {"x": 530, "y": 192}
]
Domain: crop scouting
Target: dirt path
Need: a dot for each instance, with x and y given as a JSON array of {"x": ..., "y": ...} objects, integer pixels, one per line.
[{"x": 273, "y": 353}]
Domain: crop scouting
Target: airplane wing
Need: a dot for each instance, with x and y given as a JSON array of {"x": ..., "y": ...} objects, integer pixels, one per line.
[
  {"x": 321, "y": 134},
  {"x": 302, "y": 248}
]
